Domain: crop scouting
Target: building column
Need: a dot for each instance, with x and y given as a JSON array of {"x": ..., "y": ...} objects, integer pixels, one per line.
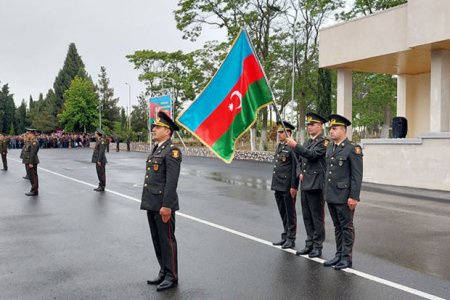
[
  {"x": 401, "y": 95},
  {"x": 344, "y": 96},
  {"x": 440, "y": 91}
]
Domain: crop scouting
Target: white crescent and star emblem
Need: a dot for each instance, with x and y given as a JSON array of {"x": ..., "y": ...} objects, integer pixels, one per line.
[{"x": 231, "y": 105}]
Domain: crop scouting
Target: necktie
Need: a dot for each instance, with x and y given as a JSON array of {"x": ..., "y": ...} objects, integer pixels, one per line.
[{"x": 154, "y": 148}]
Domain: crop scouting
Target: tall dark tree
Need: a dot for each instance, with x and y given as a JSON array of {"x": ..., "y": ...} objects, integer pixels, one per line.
[
  {"x": 21, "y": 118},
  {"x": 43, "y": 113},
  {"x": 110, "y": 112},
  {"x": 30, "y": 102},
  {"x": 73, "y": 66},
  {"x": 7, "y": 110},
  {"x": 324, "y": 93}
]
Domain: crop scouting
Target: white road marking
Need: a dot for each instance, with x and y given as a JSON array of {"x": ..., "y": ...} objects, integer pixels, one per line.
[{"x": 264, "y": 242}]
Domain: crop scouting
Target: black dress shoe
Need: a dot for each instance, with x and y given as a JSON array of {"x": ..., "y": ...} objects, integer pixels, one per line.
[
  {"x": 25, "y": 177},
  {"x": 343, "y": 264},
  {"x": 304, "y": 251},
  {"x": 315, "y": 253},
  {"x": 157, "y": 280},
  {"x": 279, "y": 243},
  {"x": 288, "y": 245},
  {"x": 99, "y": 189},
  {"x": 32, "y": 193},
  {"x": 332, "y": 262},
  {"x": 166, "y": 284}
]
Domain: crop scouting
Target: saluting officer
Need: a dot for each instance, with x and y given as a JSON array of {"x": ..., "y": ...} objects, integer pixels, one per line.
[
  {"x": 99, "y": 158},
  {"x": 4, "y": 151},
  {"x": 311, "y": 169},
  {"x": 342, "y": 188},
  {"x": 31, "y": 160},
  {"x": 285, "y": 185},
  {"x": 160, "y": 200}
]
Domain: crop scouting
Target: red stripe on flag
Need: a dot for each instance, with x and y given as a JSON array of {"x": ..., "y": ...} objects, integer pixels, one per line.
[{"x": 219, "y": 121}]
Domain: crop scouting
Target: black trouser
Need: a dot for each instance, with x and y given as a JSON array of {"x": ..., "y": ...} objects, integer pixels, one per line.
[
  {"x": 101, "y": 174},
  {"x": 165, "y": 244},
  {"x": 5, "y": 162},
  {"x": 313, "y": 218},
  {"x": 288, "y": 214},
  {"x": 344, "y": 231},
  {"x": 33, "y": 177}
]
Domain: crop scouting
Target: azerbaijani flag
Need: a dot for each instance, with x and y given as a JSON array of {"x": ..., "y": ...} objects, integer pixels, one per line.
[{"x": 228, "y": 105}]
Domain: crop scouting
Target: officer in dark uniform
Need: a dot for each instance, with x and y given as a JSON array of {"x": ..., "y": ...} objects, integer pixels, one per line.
[
  {"x": 343, "y": 180},
  {"x": 99, "y": 158},
  {"x": 311, "y": 169},
  {"x": 160, "y": 200},
  {"x": 25, "y": 141},
  {"x": 285, "y": 185},
  {"x": 31, "y": 160},
  {"x": 4, "y": 151}
]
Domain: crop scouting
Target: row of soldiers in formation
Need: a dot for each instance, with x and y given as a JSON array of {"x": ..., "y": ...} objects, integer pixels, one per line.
[{"x": 326, "y": 171}]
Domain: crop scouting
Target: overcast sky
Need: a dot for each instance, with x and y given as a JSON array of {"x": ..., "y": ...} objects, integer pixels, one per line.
[{"x": 35, "y": 34}]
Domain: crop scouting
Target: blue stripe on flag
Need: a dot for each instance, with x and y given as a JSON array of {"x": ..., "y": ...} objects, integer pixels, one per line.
[{"x": 219, "y": 87}]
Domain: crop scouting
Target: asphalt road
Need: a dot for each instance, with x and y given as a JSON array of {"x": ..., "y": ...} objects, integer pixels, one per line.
[{"x": 73, "y": 243}]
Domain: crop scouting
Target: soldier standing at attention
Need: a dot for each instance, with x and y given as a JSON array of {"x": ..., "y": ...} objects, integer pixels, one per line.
[
  {"x": 25, "y": 141},
  {"x": 343, "y": 180},
  {"x": 285, "y": 185},
  {"x": 160, "y": 200},
  {"x": 4, "y": 151},
  {"x": 99, "y": 158},
  {"x": 31, "y": 161},
  {"x": 311, "y": 169}
]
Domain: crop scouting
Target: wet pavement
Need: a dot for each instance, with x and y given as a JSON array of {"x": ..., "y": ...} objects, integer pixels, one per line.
[{"x": 73, "y": 243}]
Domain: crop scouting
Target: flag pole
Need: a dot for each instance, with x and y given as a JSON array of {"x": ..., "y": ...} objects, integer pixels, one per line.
[{"x": 277, "y": 112}]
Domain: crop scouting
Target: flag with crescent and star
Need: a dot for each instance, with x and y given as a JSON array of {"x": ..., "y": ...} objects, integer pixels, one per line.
[{"x": 229, "y": 104}]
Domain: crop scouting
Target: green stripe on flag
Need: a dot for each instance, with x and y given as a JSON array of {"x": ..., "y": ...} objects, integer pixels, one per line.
[{"x": 258, "y": 95}]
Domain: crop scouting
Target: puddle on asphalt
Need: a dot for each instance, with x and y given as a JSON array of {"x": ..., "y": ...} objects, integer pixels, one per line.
[{"x": 233, "y": 179}]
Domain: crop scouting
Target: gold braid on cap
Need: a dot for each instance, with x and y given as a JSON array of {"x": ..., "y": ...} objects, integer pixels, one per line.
[
  {"x": 335, "y": 122},
  {"x": 161, "y": 124}
]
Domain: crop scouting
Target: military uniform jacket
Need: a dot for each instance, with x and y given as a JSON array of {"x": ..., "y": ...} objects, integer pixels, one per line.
[
  {"x": 161, "y": 178},
  {"x": 3, "y": 147},
  {"x": 284, "y": 169},
  {"x": 99, "y": 152},
  {"x": 30, "y": 150},
  {"x": 312, "y": 163},
  {"x": 343, "y": 176}
]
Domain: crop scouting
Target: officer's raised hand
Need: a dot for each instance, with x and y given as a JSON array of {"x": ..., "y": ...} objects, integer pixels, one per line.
[{"x": 291, "y": 142}]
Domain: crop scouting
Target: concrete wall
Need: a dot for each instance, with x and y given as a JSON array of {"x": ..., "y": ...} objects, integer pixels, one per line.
[
  {"x": 420, "y": 162},
  {"x": 427, "y": 21},
  {"x": 374, "y": 35},
  {"x": 418, "y": 104}
]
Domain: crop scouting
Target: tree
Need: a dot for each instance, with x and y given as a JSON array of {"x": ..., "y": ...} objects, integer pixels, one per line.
[
  {"x": 80, "y": 107},
  {"x": 324, "y": 93},
  {"x": 42, "y": 115},
  {"x": 270, "y": 24},
  {"x": 368, "y": 7},
  {"x": 110, "y": 112},
  {"x": 7, "y": 110},
  {"x": 139, "y": 116},
  {"x": 73, "y": 66},
  {"x": 21, "y": 118}
]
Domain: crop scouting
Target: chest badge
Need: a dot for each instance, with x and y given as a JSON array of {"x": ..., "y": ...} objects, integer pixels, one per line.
[
  {"x": 155, "y": 167},
  {"x": 341, "y": 163}
]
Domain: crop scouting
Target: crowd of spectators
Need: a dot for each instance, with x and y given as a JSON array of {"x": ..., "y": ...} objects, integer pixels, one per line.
[{"x": 54, "y": 140}]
